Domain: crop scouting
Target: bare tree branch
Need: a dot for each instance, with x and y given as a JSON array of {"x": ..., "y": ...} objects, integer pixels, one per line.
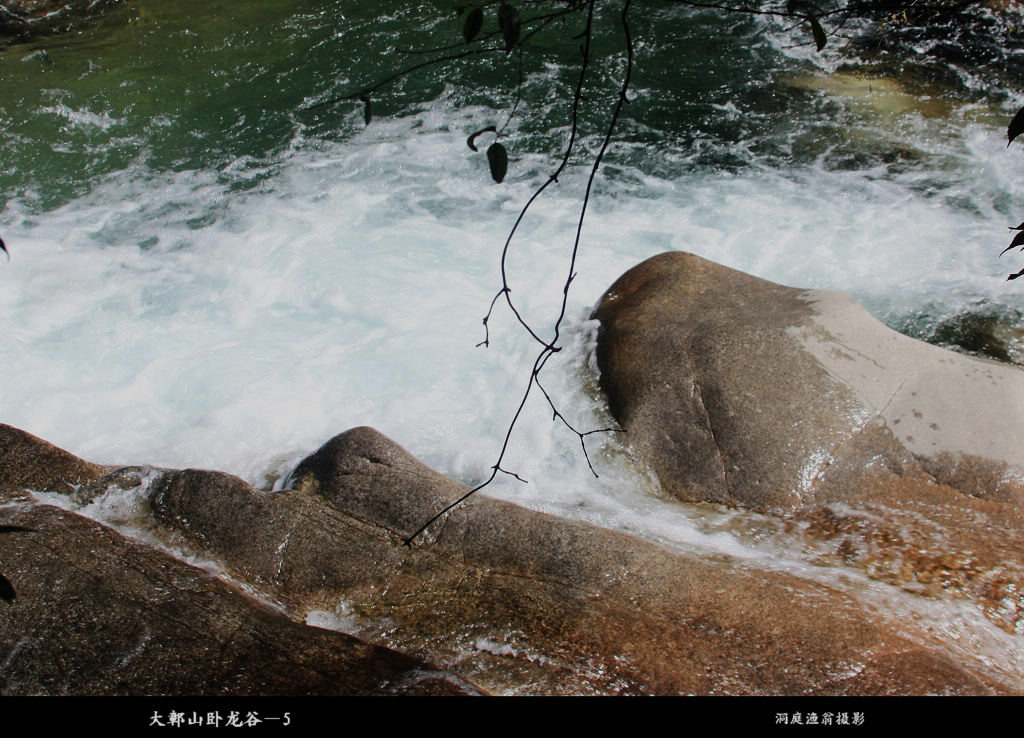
[
  {"x": 545, "y": 21},
  {"x": 802, "y": 10},
  {"x": 549, "y": 348}
]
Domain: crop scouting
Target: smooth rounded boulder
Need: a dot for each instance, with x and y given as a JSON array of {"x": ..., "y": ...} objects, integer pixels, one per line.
[
  {"x": 898, "y": 458},
  {"x": 737, "y": 390}
]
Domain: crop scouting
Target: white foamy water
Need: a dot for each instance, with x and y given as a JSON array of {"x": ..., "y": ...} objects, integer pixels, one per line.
[{"x": 348, "y": 289}]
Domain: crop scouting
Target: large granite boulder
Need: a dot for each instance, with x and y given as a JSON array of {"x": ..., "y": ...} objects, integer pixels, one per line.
[
  {"x": 520, "y": 602},
  {"x": 901, "y": 458},
  {"x": 737, "y": 390}
]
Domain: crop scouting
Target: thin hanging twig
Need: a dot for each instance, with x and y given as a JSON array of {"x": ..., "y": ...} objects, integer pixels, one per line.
[{"x": 549, "y": 348}]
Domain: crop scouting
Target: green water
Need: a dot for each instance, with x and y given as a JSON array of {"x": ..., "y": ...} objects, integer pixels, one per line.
[
  {"x": 189, "y": 85},
  {"x": 222, "y": 90},
  {"x": 203, "y": 86}
]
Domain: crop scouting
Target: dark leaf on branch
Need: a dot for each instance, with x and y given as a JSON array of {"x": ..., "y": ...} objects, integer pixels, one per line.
[
  {"x": 820, "y": 39},
  {"x": 508, "y": 22},
  {"x": 471, "y": 141},
  {"x": 1017, "y": 241},
  {"x": 497, "y": 157},
  {"x": 474, "y": 22},
  {"x": 6, "y": 590},
  {"x": 367, "y": 111},
  {"x": 1014, "y": 276},
  {"x": 1016, "y": 127},
  {"x": 807, "y": 10}
]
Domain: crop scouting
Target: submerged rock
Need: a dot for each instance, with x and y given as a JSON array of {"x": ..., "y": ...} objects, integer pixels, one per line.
[
  {"x": 27, "y": 18},
  {"x": 517, "y": 601},
  {"x": 945, "y": 42},
  {"x": 984, "y": 331}
]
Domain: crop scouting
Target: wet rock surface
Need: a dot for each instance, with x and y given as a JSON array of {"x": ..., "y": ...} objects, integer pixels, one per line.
[
  {"x": 515, "y": 601},
  {"x": 798, "y": 403},
  {"x": 30, "y": 463},
  {"x": 941, "y": 41},
  {"x": 983, "y": 331},
  {"x": 98, "y": 614}
]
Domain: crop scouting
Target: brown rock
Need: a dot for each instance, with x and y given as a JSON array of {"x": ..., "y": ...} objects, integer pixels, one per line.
[
  {"x": 687, "y": 365},
  {"x": 738, "y": 390},
  {"x": 28, "y": 462},
  {"x": 518, "y": 601},
  {"x": 97, "y": 614},
  {"x": 522, "y": 602},
  {"x": 797, "y": 402}
]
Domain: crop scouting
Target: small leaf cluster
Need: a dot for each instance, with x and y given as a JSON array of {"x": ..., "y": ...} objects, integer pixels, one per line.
[
  {"x": 509, "y": 24},
  {"x": 1015, "y": 129},
  {"x": 497, "y": 156}
]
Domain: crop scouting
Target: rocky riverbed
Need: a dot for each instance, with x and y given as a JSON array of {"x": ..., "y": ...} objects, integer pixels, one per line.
[{"x": 885, "y": 464}]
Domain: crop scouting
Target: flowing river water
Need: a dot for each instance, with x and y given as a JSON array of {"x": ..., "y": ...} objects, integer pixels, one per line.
[{"x": 205, "y": 274}]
